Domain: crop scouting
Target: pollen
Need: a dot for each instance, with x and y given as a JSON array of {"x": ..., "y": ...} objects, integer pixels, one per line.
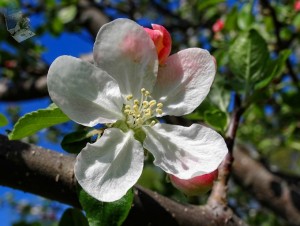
[{"x": 143, "y": 111}]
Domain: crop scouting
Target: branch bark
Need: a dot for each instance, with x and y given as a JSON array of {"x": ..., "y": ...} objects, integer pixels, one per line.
[
  {"x": 50, "y": 174},
  {"x": 269, "y": 189}
]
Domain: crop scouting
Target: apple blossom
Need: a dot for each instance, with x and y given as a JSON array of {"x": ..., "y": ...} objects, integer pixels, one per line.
[
  {"x": 297, "y": 5},
  {"x": 197, "y": 185},
  {"x": 162, "y": 41},
  {"x": 126, "y": 90},
  {"x": 218, "y": 25}
]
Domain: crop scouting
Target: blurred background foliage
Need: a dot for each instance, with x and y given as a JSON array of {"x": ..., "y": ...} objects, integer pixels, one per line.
[{"x": 270, "y": 125}]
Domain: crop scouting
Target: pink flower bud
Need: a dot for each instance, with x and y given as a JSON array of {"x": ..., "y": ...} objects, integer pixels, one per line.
[
  {"x": 196, "y": 185},
  {"x": 10, "y": 64},
  {"x": 162, "y": 41},
  {"x": 218, "y": 26},
  {"x": 297, "y": 6}
]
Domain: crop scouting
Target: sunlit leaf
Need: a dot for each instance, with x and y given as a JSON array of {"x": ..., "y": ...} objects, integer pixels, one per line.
[{"x": 32, "y": 122}]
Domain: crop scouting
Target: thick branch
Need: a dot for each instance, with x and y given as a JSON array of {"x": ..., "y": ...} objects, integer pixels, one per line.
[
  {"x": 50, "y": 174},
  {"x": 268, "y": 188}
]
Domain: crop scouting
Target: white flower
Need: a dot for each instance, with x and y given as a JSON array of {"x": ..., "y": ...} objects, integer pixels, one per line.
[{"x": 127, "y": 89}]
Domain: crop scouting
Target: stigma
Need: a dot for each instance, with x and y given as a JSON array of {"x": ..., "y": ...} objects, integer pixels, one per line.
[{"x": 143, "y": 111}]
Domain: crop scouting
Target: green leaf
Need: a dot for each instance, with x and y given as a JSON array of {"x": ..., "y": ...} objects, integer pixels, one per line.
[
  {"x": 217, "y": 119},
  {"x": 76, "y": 141},
  {"x": 3, "y": 120},
  {"x": 248, "y": 57},
  {"x": 231, "y": 19},
  {"x": 106, "y": 213},
  {"x": 204, "y": 4},
  {"x": 275, "y": 68},
  {"x": 73, "y": 217},
  {"x": 33, "y": 122},
  {"x": 245, "y": 17}
]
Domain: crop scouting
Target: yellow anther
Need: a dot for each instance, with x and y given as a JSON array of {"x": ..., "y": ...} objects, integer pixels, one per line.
[
  {"x": 143, "y": 90},
  {"x": 135, "y": 107},
  {"x": 159, "y": 105},
  {"x": 136, "y": 102},
  {"x": 159, "y": 111},
  {"x": 139, "y": 121},
  {"x": 148, "y": 113},
  {"x": 129, "y": 97},
  {"x": 127, "y": 107},
  {"x": 126, "y": 111},
  {"x": 145, "y": 104},
  {"x": 147, "y": 93},
  {"x": 152, "y": 103}
]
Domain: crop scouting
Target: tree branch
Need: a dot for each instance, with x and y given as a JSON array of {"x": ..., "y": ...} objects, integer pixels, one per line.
[
  {"x": 269, "y": 189},
  {"x": 50, "y": 174},
  {"x": 219, "y": 190}
]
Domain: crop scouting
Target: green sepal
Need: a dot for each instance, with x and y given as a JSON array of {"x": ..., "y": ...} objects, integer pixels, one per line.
[
  {"x": 32, "y": 122},
  {"x": 73, "y": 217},
  {"x": 106, "y": 213},
  {"x": 121, "y": 125},
  {"x": 140, "y": 135}
]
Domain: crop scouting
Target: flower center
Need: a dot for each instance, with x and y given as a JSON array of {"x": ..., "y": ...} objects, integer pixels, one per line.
[{"x": 140, "y": 112}]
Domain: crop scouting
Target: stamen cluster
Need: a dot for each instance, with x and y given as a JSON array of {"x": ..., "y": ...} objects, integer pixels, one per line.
[{"x": 140, "y": 112}]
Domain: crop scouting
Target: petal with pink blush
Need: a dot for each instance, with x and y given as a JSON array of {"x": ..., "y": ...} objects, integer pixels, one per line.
[
  {"x": 185, "y": 152},
  {"x": 184, "y": 82},
  {"x": 125, "y": 51}
]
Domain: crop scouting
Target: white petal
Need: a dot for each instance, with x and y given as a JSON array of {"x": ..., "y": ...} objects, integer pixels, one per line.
[
  {"x": 84, "y": 92},
  {"x": 126, "y": 52},
  {"x": 108, "y": 168},
  {"x": 185, "y": 152},
  {"x": 183, "y": 83}
]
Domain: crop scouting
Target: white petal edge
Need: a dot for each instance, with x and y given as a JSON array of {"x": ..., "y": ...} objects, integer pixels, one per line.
[
  {"x": 185, "y": 152},
  {"x": 184, "y": 82},
  {"x": 107, "y": 169},
  {"x": 124, "y": 49},
  {"x": 85, "y": 93}
]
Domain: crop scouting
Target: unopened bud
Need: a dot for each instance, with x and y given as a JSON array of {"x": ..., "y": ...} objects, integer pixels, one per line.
[{"x": 195, "y": 186}]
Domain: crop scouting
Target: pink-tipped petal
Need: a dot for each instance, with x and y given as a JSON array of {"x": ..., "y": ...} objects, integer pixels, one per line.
[
  {"x": 125, "y": 51},
  {"x": 185, "y": 80}
]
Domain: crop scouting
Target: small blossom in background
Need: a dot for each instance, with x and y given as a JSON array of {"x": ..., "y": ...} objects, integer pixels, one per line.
[
  {"x": 126, "y": 89},
  {"x": 10, "y": 64},
  {"x": 218, "y": 25},
  {"x": 297, "y": 5}
]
